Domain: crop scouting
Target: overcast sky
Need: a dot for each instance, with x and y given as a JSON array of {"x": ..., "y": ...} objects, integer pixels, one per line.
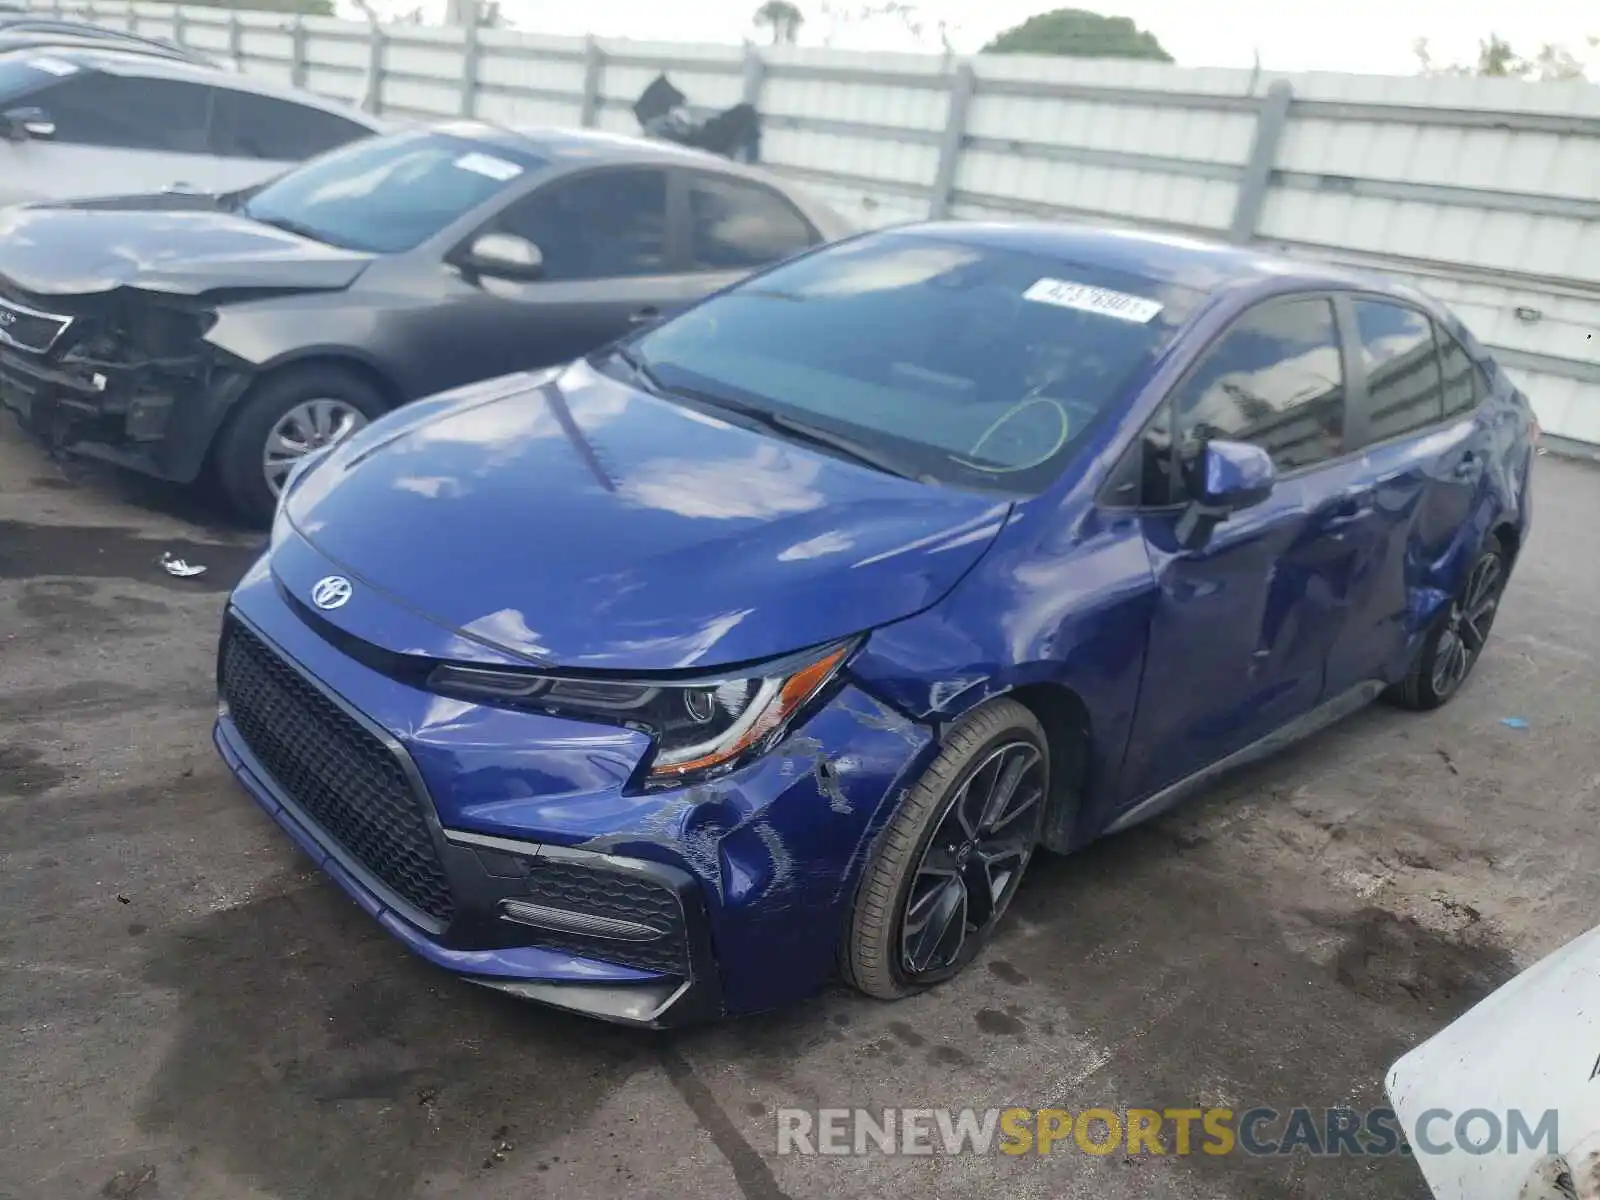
[{"x": 1290, "y": 35}]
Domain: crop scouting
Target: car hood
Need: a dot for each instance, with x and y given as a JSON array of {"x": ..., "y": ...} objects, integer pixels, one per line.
[
  {"x": 568, "y": 519},
  {"x": 81, "y": 250}
]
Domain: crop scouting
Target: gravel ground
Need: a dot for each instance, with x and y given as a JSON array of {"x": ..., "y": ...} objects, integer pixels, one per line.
[{"x": 189, "y": 1011}]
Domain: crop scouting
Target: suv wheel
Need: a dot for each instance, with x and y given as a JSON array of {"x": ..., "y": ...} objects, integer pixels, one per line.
[
  {"x": 281, "y": 420},
  {"x": 1457, "y": 638},
  {"x": 949, "y": 861}
]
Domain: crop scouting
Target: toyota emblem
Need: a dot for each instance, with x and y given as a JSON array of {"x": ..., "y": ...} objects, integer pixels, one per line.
[{"x": 331, "y": 592}]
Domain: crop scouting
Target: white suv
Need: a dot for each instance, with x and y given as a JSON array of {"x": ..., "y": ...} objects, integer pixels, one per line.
[{"x": 78, "y": 123}]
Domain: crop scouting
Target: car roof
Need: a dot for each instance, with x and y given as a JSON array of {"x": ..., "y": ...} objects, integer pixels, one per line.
[
  {"x": 1202, "y": 265},
  {"x": 133, "y": 64},
  {"x": 562, "y": 146}
]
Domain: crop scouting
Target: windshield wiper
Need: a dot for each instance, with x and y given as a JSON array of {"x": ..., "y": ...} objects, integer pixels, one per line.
[
  {"x": 798, "y": 430},
  {"x": 641, "y": 368},
  {"x": 804, "y": 431}
]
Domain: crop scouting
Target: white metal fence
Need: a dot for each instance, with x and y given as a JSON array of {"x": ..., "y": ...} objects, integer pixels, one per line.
[{"x": 1485, "y": 192}]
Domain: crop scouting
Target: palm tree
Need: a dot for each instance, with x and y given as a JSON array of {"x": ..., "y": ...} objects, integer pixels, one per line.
[{"x": 783, "y": 18}]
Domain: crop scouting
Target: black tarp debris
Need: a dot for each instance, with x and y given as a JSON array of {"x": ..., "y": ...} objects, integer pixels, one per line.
[{"x": 663, "y": 112}]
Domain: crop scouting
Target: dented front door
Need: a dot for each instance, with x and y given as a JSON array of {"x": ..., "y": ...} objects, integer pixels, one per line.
[{"x": 1240, "y": 631}]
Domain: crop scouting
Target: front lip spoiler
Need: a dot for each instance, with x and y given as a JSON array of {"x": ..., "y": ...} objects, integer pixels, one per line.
[{"x": 651, "y": 1002}]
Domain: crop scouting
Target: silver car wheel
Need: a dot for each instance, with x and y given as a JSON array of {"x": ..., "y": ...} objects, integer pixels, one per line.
[{"x": 309, "y": 425}]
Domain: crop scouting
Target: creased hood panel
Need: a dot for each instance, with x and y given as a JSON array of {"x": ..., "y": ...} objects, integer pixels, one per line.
[
  {"x": 582, "y": 523},
  {"x": 81, "y": 251}
]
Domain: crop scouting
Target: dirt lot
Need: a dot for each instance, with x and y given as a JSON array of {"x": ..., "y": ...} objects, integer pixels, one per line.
[{"x": 188, "y": 1011}]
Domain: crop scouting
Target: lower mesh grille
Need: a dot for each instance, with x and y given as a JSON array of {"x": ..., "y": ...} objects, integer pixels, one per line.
[
  {"x": 618, "y": 896},
  {"x": 334, "y": 769}
]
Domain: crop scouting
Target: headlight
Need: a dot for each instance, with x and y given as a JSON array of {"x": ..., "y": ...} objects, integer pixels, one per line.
[{"x": 700, "y": 726}]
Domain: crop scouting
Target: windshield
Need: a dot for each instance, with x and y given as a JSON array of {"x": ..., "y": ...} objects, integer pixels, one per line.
[
  {"x": 389, "y": 194},
  {"x": 971, "y": 364}
]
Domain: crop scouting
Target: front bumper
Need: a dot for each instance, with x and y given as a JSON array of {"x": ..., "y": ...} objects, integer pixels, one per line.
[
  {"x": 153, "y": 418},
  {"x": 561, "y": 979},
  {"x": 553, "y": 882}
]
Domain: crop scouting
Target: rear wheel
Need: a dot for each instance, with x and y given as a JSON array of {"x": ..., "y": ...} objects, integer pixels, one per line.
[
  {"x": 1458, "y": 636},
  {"x": 281, "y": 420},
  {"x": 949, "y": 861}
]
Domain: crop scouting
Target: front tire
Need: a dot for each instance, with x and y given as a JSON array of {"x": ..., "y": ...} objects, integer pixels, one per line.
[
  {"x": 950, "y": 859},
  {"x": 1458, "y": 636},
  {"x": 279, "y": 420}
]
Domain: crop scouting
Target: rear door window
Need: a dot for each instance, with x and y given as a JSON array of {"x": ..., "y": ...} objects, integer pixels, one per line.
[
  {"x": 736, "y": 225},
  {"x": 1404, "y": 390},
  {"x": 263, "y": 127}
]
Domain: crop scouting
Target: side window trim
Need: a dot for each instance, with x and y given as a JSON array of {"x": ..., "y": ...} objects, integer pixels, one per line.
[
  {"x": 1442, "y": 418},
  {"x": 680, "y": 235},
  {"x": 1480, "y": 384}
]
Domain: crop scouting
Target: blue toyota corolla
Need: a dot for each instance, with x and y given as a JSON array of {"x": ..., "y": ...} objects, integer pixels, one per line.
[{"x": 774, "y": 639}]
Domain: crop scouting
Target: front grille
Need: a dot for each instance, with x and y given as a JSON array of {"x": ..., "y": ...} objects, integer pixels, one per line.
[
  {"x": 338, "y": 772},
  {"x": 28, "y": 329},
  {"x": 621, "y": 896}
]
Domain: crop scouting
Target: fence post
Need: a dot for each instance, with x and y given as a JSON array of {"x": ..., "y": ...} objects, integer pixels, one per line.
[
  {"x": 471, "y": 57},
  {"x": 376, "y": 53},
  {"x": 297, "y": 62},
  {"x": 594, "y": 67},
  {"x": 755, "y": 74},
  {"x": 1256, "y": 179},
  {"x": 235, "y": 39},
  {"x": 962, "y": 86}
]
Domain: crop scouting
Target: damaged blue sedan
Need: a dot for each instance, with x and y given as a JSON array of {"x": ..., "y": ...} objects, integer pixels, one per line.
[{"x": 772, "y": 641}]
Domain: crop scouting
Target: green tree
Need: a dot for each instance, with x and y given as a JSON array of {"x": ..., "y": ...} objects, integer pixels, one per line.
[
  {"x": 1497, "y": 60},
  {"x": 1078, "y": 34},
  {"x": 782, "y": 19}
]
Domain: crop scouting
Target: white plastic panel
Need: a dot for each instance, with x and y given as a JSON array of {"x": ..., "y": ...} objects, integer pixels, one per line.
[
  {"x": 528, "y": 111},
  {"x": 1199, "y": 135},
  {"x": 431, "y": 99},
  {"x": 867, "y": 158},
  {"x": 436, "y": 56},
  {"x": 1118, "y": 192},
  {"x": 546, "y": 75},
  {"x": 1561, "y": 247}
]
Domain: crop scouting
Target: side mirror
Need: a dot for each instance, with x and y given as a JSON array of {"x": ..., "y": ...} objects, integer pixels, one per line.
[
  {"x": 20, "y": 124},
  {"x": 1227, "y": 478},
  {"x": 503, "y": 255},
  {"x": 1234, "y": 476}
]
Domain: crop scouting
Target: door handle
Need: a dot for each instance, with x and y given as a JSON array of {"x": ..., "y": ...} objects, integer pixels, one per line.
[
  {"x": 643, "y": 316},
  {"x": 1346, "y": 510}
]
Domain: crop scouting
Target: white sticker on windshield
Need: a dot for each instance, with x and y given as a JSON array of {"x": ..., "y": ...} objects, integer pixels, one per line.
[
  {"x": 488, "y": 165},
  {"x": 1094, "y": 300},
  {"x": 53, "y": 66}
]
